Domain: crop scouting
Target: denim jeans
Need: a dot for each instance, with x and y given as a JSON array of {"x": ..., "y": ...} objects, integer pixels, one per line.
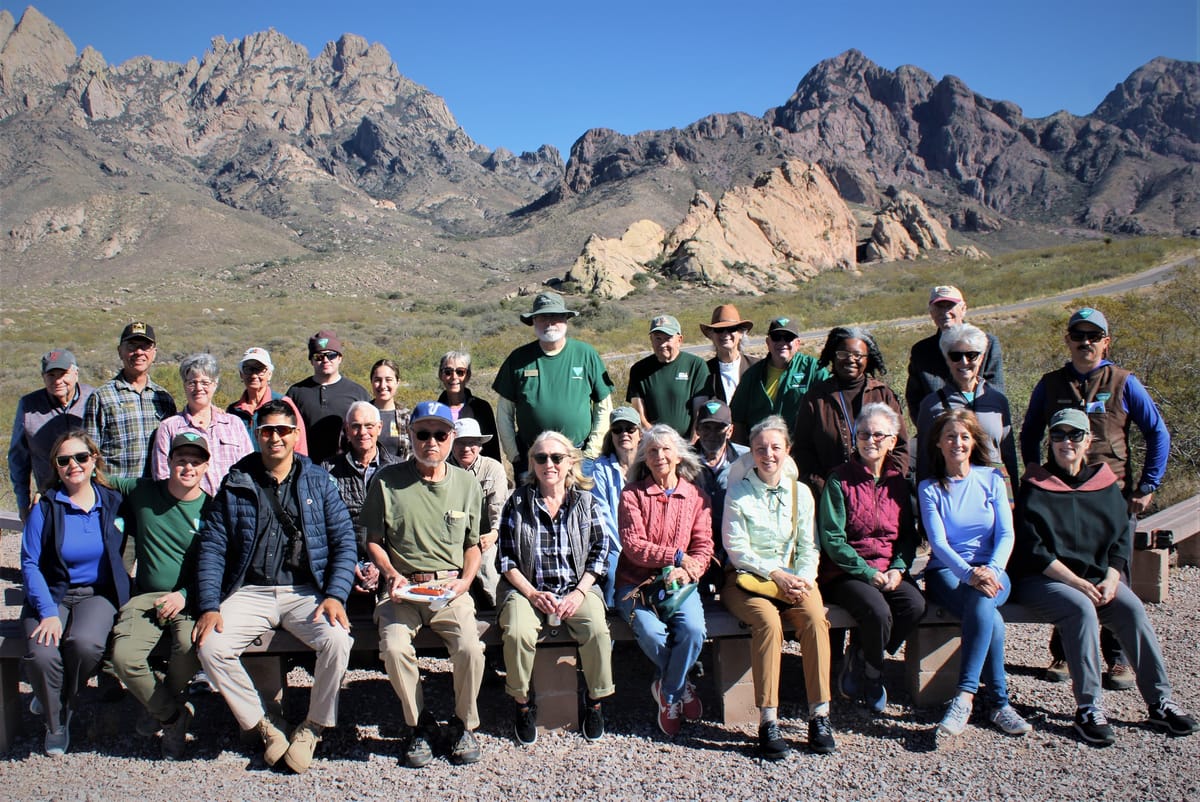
[
  {"x": 672, "y": 645},
  {"x": 982, "y": 651}
]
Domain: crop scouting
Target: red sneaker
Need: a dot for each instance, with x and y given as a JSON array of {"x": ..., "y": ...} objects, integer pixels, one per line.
[
  {"x": 670, "y": 718},
  {"x": 693, "y": 709}
]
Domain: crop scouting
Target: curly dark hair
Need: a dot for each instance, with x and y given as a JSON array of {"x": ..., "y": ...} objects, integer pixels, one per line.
[{"x": 838, "y": 335}]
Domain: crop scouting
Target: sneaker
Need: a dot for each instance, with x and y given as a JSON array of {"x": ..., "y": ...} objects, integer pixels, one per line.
[
  {"x": 57, "y": 741},
  {"x": 820, "y": 735},
  {"x": 200, "y": 684},
  {"x": 955, "y": 720},
  {"x": 1120, "y": 677},
  {"x": 593, "y": 721},
  {"x": 656, "y": 691},
  {"x": 275, "y": 742},
  {"x": 525, "y": 724},
  {"x": 1057, "y": 672},
  {"x": 875, "y": 695},
  {"x": 1009, "y": 720},
  {"x": 466, "y": 748},
  {"x": 693, "y": 709},
  {"x": 1170, "y": 717},
  {"x": 670, "y": 718},
  {"x": 1093, "y": 727},
  {"x": 174, "y": 738},
  {"x": 771, "y": 745},
  {"x": 299, "y": 755},
  {"x": 418, "y": 753},
  {"x": 848, "y": 684}
]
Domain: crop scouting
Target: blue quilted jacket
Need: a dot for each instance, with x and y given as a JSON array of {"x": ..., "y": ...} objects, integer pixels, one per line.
[{"x": 230, "y": 527}]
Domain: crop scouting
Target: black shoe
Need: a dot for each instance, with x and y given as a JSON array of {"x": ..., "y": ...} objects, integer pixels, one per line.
[
  {"x": 1093, "y": 727},
  {"x": 419, "y": 752},
  {"x": 1171, "y": 718},
  {"x": 466, "y": 748},
  {"x": 525, "y": 724},
  {"x": 593, "y": 721},
  {"x": 771, "y": 745},
  {"x": 820, "y": 735}
]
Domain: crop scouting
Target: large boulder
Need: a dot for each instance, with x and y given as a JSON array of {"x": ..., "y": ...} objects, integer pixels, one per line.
[
  {"x": 606, "y": 267},
  {"x": 904, "y": 229}
]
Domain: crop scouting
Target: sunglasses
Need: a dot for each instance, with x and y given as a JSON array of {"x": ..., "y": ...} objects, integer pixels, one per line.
[
  {"x": 1086, "y": 336},
  {"x": 878, "y": 437},
  {"x": 459, "y": 372},
  {"x": 325, "y": 356},
  {"x": 959, "y": 356},
  {"x": 626, "y": 429},
  {"x": 542, "y": 459},
  {"x": 441, "y": 435},
  {"x": 1075, "y": 435},
  {"x": 82, "y": 458},
  {"x": 277, "y": 429},
  {"x": 781, "y": 336}
]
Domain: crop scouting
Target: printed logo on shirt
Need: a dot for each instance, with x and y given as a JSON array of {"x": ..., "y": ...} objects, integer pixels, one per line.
[
  {"x": 576, "y": 372},
  {"x": 681, "y": 376}
]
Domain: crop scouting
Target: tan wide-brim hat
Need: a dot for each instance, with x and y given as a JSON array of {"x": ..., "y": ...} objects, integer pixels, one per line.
[{"x": 726, "y": 316}]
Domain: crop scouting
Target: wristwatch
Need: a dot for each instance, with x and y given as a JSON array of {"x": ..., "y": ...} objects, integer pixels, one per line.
[
  {"x": 678, "y": 558},
  {"x": 1145, "y": 489}
]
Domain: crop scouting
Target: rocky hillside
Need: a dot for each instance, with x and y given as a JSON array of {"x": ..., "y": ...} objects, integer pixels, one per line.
[{"x": 258, "y": 156}]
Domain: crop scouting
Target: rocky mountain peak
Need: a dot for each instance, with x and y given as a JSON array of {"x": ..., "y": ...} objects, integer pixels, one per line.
[
  {"x": 1160, "y": 102},
  {"x": 34, "y": 54}
]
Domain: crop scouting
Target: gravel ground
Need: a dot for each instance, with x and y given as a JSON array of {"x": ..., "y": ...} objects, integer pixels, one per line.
[{"x": 889, "y": 757}]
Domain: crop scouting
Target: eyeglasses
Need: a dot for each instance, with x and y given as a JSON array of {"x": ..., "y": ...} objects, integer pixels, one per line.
[
  {"x": 626, "y": 429},
  {"x": 850, "y": 356},
  {"x": 1086, "y": 336},
  {"x": 277, "y": 429},
  {"x": 781, "y": 336},
  {"x": 63, "y": 460},
  {"x": 876, "y": 436},
  {"x": 459, "y": 372},
  {"x": 541, "y": 459},
  {"x": 325, "y": 356},
  {"x": 441, "y": 435},
  {"x": 1060, "y": 435},
  {"x": 199, "y": 384},
  {"x": 959, "y": 356}
]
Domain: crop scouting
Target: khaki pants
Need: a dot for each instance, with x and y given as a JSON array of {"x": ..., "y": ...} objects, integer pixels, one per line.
[
  {"x": 136, "y": 633},
  {"x": 255, "y": 609},
  {"x": 455, "y": 624},
  {"x": 765, "y": 619},
  {"x": 520, "y": 624}
]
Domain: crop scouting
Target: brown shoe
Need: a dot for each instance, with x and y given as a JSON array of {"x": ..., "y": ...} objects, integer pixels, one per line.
[
  {"x": 275, "y": 742},
  {"x": 304, "y": 742},
  {"x": 1120, "y": 677},
  {"x": 1057, "y": 672}
]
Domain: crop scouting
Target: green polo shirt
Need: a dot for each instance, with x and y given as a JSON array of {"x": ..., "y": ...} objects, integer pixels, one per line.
[
  {"x": 667, "y": 388},
  {"x": 164, "y": 534}
]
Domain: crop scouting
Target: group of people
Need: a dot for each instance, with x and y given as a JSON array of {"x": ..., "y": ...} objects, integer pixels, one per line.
[{"x": 776, "y": 485}]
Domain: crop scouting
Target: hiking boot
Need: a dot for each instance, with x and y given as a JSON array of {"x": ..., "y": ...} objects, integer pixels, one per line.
[
  {"x": 1057, "y": 671},
  {"x": 670, "y": 718},
  {"x": 275, "y": 741},
  {"x": 1009, "y": 720},
  {"x": 1093, "y": 727},
  {"x": 174, "y": 739},
  {"x": 820, "y": 735},
  {"x": 1120, "y": 677},
  {"x": 956, "y": 717},
  {"x": 593, "y": 721},
  {"x": 466, "y": 748},
  {"x": 771, "y": 745},
  {"x": 1172, "y": 719},
  {"x": 875, "y": 695},
  {"x": 525, "y": 724},
  {"x": 299, "y": 755},
  {"x": 690, "y": 703}
]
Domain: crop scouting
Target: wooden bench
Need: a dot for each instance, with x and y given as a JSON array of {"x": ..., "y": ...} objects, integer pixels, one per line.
[{"x": 1149, "y": 571}]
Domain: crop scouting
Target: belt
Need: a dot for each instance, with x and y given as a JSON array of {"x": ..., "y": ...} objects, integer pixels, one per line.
[{"x": 430, "y": 576}]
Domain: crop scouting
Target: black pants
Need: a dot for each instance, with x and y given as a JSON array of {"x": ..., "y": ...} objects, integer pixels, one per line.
[{"x": 885, "y": 618}]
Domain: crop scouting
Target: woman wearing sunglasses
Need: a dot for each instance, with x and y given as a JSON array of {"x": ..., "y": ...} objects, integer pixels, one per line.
[
  {"x": 553, "y": 556},
  {"x": 74, "y": 580},
  {"x": 1072, "y": 543},
  {"x": 823, "y": 433},
  {"x": 454, "y": 371},
  {"x": 616, "y": 456},
  {"x": 393, "y": 434},
  {"x": 964, "y": 348},
  {"x": 665, "y": 521}
]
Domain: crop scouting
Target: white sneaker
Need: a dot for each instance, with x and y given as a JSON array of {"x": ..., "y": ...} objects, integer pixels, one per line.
[
  {"x": 955, "y": 720},
  {"x": 1009, "y": 720}
]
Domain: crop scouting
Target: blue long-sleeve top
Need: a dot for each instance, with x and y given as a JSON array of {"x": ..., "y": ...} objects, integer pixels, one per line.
[{"x": 969, "y": 522}]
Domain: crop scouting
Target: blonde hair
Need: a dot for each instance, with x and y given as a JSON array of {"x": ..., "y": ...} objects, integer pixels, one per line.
[{"x": 575, "y": 477}]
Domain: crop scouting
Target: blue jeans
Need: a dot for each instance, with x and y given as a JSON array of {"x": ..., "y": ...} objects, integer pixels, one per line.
[
  {"x": 982, "y": 652},
  {"x": 672, "y": 645}
]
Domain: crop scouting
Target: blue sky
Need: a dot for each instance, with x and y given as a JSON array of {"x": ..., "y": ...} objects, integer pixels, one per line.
[{"x": 521, "y": 74}]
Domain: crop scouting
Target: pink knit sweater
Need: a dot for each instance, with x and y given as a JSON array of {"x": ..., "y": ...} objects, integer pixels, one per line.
[{"x": 654, "y": 525}]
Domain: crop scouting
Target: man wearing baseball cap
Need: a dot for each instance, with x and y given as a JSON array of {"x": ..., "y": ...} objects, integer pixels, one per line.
[
  {"x": 663, "y": 385},
  {"x": 424, "y": 519},
  {"x": 1113, "y": 400},
  {"x": 776, "y": 385},
  {"x": 255, "y": 370},
  {"x": 165, "y": 515},
  {"x": 325, "y": 396},
  {"x": 554, "y": 382},
  {"x": 729, "y": 364},
  {"x": 124, "y": 412},
  {"x": 714, "y": 444},
  {"x": 927, "y": 368},
  {"x": 41, "y": 417}
]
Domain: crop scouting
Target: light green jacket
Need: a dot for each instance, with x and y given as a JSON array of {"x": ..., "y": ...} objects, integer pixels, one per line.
[{"x": 758, "y": 528}]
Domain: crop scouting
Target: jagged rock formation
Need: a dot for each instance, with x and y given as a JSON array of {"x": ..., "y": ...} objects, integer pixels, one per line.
[
  {"x": 903, "y": 229},
  {"x": 607, "y": 267}
]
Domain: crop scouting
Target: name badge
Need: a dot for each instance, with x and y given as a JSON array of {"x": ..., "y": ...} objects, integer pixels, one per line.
[{"x": 530, "y": 373}]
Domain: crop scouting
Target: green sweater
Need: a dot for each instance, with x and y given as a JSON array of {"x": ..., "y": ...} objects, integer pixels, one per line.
[{"x": 164, "y": 536}]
